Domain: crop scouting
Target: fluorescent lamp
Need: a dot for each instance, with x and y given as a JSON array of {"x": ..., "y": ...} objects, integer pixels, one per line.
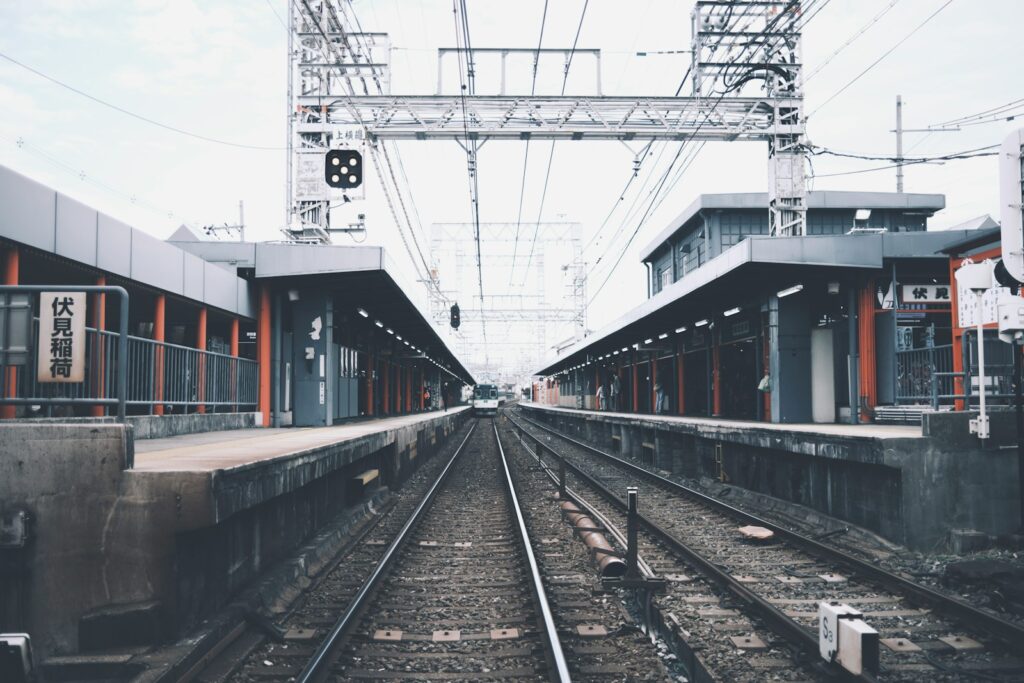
[
  {"x": 390, "y": 331},
  {"x": 731, "y": 311},
  {"x": 649, "y": 340},
  {"x": 378, "y": 323},
  {"x": 663, "y": 335},
  {"x": 616, "y": 353},
  {"x": 398, "y": 337},
  {"x": 862, "y": 214},
  {"x": 701, "y": 323},
  {"x": 625, "y": 348},
  {"x": 363, "y": 313},
  {"x": 680, "y": 330},
  {"x": 789, "y": 290}
]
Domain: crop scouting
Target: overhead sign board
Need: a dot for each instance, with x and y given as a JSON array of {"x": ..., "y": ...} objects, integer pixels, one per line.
[
  {"x": 61, "y": 345},
  {"x": 925, "y": 294}
]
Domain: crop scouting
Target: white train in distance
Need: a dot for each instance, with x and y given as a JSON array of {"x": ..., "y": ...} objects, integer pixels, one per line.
[{"x": 486, "y": 399}]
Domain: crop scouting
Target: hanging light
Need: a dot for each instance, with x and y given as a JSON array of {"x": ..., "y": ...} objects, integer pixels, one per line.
[{"x": 363, "y": 312}]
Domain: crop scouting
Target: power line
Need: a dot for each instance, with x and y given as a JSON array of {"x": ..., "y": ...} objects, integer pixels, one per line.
[
  {"x": 551, "y": 154},
  {"x": 935, "y": 160},
  {"x": 279, "y": 19},
  {"x": 140, "y": 117},
  {"x": 526, "y": 151},
  {"x": 851, "y": 39},
  {"x": 883, "y": 56},
  {"x": 814, "y": 149}
]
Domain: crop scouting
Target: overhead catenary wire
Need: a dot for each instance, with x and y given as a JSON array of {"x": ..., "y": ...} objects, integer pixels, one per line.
[
  {"x": 885, "y": 54},
  {"x": 135, "y": 115},
  {"x": 526, "y": 146},
  {"x": 849, "y": 41},
  {"x": 551, "y": 154}
]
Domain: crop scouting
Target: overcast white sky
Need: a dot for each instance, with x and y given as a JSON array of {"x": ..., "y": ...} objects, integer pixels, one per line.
[{"x": 217, "y": 68}]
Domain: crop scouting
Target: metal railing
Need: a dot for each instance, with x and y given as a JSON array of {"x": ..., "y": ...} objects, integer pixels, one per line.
[
  {"x": 125, "y": 370},
  {"x": 920, "y": 372}
]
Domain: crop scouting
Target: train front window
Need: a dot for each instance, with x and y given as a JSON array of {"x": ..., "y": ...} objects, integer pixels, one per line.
[{"x": 494, "y": 393}]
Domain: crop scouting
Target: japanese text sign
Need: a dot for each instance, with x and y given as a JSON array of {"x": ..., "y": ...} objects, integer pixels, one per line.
[{"x": 61, "y": 350}]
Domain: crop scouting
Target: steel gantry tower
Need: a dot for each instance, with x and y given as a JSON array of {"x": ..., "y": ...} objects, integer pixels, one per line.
[
  {"x": 531, "y": 307},
  {"x": 746, "y": 85}
]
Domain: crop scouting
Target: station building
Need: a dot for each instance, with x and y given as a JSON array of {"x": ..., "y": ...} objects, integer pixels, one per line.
[
  {"x": 302, "y": 334},
  {"x": 852, "y": 322}
]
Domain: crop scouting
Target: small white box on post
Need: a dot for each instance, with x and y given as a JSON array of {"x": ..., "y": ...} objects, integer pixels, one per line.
[{"x": 846, "y": 639}]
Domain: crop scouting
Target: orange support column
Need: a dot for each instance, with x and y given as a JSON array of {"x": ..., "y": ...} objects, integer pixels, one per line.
[
  {"x": 159, "y": 336},
  {"x": 263, "y": 353},
  {"x": 866, "y": 341},
  {"x": 99, "y": 322},
  {"x": 369, "y": 383},
  {"x": 716, "y": 384},
  {"x": 679, "y": 387},
  {"x": 387, "y": 389},
  {"x": 201, "y": 359},
  {"x": 234, "y": 363},
  {"x": 636, "y": 384},
  {"x": 11, "y": 267},
  {"x": 654, "y": 380}
]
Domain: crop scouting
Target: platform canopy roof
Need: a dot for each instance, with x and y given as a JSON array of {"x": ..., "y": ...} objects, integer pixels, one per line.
[
  {"x": 824, "y": 199},
  {"x": 361, "y": 278},
  {"x": 744, "y": 272}
]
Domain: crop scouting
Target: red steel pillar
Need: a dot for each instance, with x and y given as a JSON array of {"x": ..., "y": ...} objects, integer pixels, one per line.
[
  {"x": 99, "y": 322},
  {"x": 369, "y": 383},
  {"x": 680, "y": 395},
  {"x": 234, "y": 361},
  {"x": 11, "y": 267},
  {"x": 654, "y": 380},
  {"x": 159, "y": 336},
  {"x": 716, "y": 383},
  {"x": 866, "y": 341},
  {"x": 636, "y": 384},
  {"x": 263, "y": 352},
  {"x": 201, "y": 359}
]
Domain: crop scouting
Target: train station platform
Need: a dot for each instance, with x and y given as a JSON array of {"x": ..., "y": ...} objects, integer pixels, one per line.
[
  {"x": 920, "y": 486},
  {"x": 119, "y": 556}
]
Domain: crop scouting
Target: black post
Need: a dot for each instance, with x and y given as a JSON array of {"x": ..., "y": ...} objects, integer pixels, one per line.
[
  {"x": 632, "y": 527},
  {"x": 1018, "y": 408},
  {"x": 561, "y": 478}
]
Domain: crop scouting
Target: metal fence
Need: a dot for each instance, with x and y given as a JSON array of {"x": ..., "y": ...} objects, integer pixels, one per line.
[
  {"x": 157, "y": 373},
  {"x": 925, "y": 375}
]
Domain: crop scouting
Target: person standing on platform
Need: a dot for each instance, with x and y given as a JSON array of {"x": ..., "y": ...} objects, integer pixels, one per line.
[
  {"x": 660, "y": 399},
  {"x": 444, "y": 399},
  {"x": 616, "y": 391},
  {"x": 599, "y": 398},
  {"x": 426, "y": 398}
]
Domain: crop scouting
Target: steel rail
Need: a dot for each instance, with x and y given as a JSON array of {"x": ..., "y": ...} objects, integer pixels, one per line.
[
  {"x": 316, "y": 667},
  {"x": 778, "y": 621},
  {"x": 554, "y": 647},
  {"x": 1005, "y": 630}
]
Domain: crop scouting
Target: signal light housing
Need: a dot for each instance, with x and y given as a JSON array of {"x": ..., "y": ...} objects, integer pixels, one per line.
[{"x": 343, "y": 168}]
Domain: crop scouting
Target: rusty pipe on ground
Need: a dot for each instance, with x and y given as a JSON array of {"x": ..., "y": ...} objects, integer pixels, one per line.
[{"x": 610, "y": 565}]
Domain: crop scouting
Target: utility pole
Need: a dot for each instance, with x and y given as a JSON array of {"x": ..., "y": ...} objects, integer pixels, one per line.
[{"x": 899, "y": 143}]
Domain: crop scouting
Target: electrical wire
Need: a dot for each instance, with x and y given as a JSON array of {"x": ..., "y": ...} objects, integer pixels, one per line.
[
  {"x": 140, "y": 117},
  {"x": 986, "y": 113},
  {"x": 526, "y": 151},
  {"x": 851, "y": 39},
  {"x": 883, "y": 56},
  {"x": 551, "y": 154}
]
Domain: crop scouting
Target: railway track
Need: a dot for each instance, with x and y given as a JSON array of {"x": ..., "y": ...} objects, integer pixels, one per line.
[{"x": 926, "y": 635}]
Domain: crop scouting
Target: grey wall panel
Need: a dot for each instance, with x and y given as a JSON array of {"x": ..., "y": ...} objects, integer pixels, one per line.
[
  {"x": 157, "y": 263},
  {"x": 114, "y": 246},
  {"x": 221, "y": 287},
  {"x": 278, "y": 260},
  {"x": 194, "y": 277},
  {"x": 26, "y": 210},
  {"x": 246, "y": 305},
  {"x": 76, "y": 230}
]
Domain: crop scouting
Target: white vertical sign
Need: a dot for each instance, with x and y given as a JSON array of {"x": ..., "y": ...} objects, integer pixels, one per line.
[{"x": 61, "y": 348}]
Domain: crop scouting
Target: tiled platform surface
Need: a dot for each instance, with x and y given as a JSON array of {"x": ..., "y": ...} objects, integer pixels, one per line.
[{"x": 239, "y": 448}]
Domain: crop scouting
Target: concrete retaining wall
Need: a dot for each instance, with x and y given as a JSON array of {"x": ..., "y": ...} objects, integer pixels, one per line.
[
  {"x": 913, "y": 491},
  {"x": 160, "y": 426},
  {"x": 124, "y": 557}
]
